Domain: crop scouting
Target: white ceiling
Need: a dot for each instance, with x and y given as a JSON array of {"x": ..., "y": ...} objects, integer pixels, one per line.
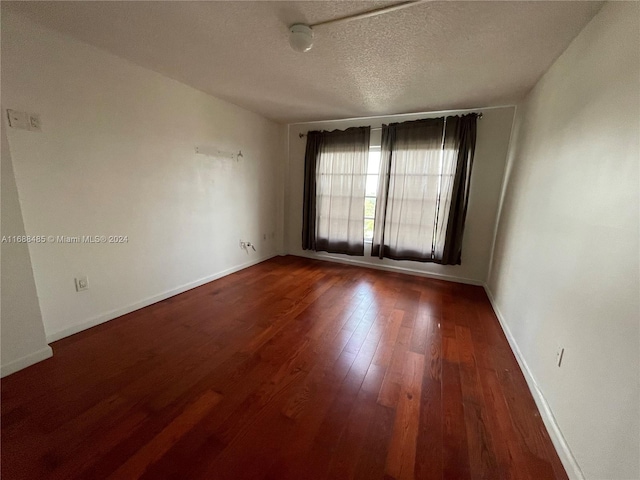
[{"x": 433, "y": 56}]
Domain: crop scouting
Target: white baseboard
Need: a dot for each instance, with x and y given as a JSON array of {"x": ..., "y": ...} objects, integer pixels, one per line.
[
  {"x": 564, "y": 452},
  {"x": 105, "y": 317},
  {"x": 26, "y": 361},
  {"x": 390, "y": 268}
]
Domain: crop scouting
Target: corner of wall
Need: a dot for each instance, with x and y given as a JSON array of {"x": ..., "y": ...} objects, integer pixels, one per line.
[
  {"x": 23, "y": 337},
  {"x": 503, "y": 189},
  {"x": 286, "y": 194},
  {"x": 26, "y": 361}
]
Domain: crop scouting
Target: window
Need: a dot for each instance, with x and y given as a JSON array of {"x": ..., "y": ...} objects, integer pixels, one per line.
[
  {"x": 411, "y": 206},
  {"x": 419, "y": 196},
  {"x": 373, "y": 169},
  {"x": 334, "y": 194},
  {"x": 426, "y": 196},
  {"x": 340, "y": 177}
]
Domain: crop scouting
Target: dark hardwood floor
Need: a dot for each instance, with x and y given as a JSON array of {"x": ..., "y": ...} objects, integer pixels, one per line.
[{"x": 291, "y": 369}]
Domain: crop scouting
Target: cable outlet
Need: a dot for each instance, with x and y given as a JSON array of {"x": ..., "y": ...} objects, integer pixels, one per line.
[
  {"x": 82, "y": 284},
  {"x": 34, "y": 123}
]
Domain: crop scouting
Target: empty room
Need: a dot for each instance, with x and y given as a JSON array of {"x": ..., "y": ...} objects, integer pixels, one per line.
[{"x": 307, "y": 240}]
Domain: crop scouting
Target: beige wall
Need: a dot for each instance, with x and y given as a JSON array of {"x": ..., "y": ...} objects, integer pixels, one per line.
[
  {"x": 566, "y": 262},
  {"x": 116, "y": 156},
  {"x": 21, "y": 331},
  {"x": 491, "y": 151}
]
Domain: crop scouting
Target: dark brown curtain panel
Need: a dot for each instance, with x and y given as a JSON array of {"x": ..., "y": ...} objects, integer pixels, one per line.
[
  {"x": 309, "y": 202},
  {"x": 460, "y": 137},
  {"x": 423, "y": 189},
  {"x": 334, "y": 191}
]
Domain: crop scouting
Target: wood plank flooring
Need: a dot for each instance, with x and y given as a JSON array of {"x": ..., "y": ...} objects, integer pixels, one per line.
[{"x": 291, "y": 369}]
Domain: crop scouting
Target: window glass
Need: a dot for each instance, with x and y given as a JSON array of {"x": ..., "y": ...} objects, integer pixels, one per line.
[{"x": 373, "y": 168}]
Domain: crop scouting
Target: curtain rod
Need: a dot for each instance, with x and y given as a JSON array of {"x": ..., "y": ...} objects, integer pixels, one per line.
[
  {"x": 370, "y": 13},
  {"x": 373, "y": 129}
]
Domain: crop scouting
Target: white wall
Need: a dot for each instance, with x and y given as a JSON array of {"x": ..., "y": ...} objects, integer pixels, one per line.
[
  {"x": 566, "y": 264},
  {"x": 488, "y": 169},
  {"x": 116, "y": 157},
  {"x": 22, "y": 334}
]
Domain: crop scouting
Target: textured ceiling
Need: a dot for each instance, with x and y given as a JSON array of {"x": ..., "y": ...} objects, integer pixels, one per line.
[{"x": 433, "y": 56}]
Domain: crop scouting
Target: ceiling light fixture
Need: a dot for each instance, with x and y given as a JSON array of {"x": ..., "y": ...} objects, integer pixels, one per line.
[{"x": 301, "y": 35}]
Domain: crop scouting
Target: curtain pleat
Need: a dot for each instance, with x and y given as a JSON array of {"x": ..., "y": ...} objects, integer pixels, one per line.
[{"x": 335, "y": 177}]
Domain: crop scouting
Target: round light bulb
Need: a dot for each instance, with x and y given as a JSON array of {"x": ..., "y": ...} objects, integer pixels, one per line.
[{"x": 301, "y": 37}]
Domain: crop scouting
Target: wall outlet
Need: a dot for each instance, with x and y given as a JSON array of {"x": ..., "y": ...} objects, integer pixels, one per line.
[
  {"x": 24, "y": 120},
  {"x": 559, "y": 356},
  {"x": 247, "y": 245},
  {"x": 18, "y": 119},
  {"x": 82, "y": 284}
]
